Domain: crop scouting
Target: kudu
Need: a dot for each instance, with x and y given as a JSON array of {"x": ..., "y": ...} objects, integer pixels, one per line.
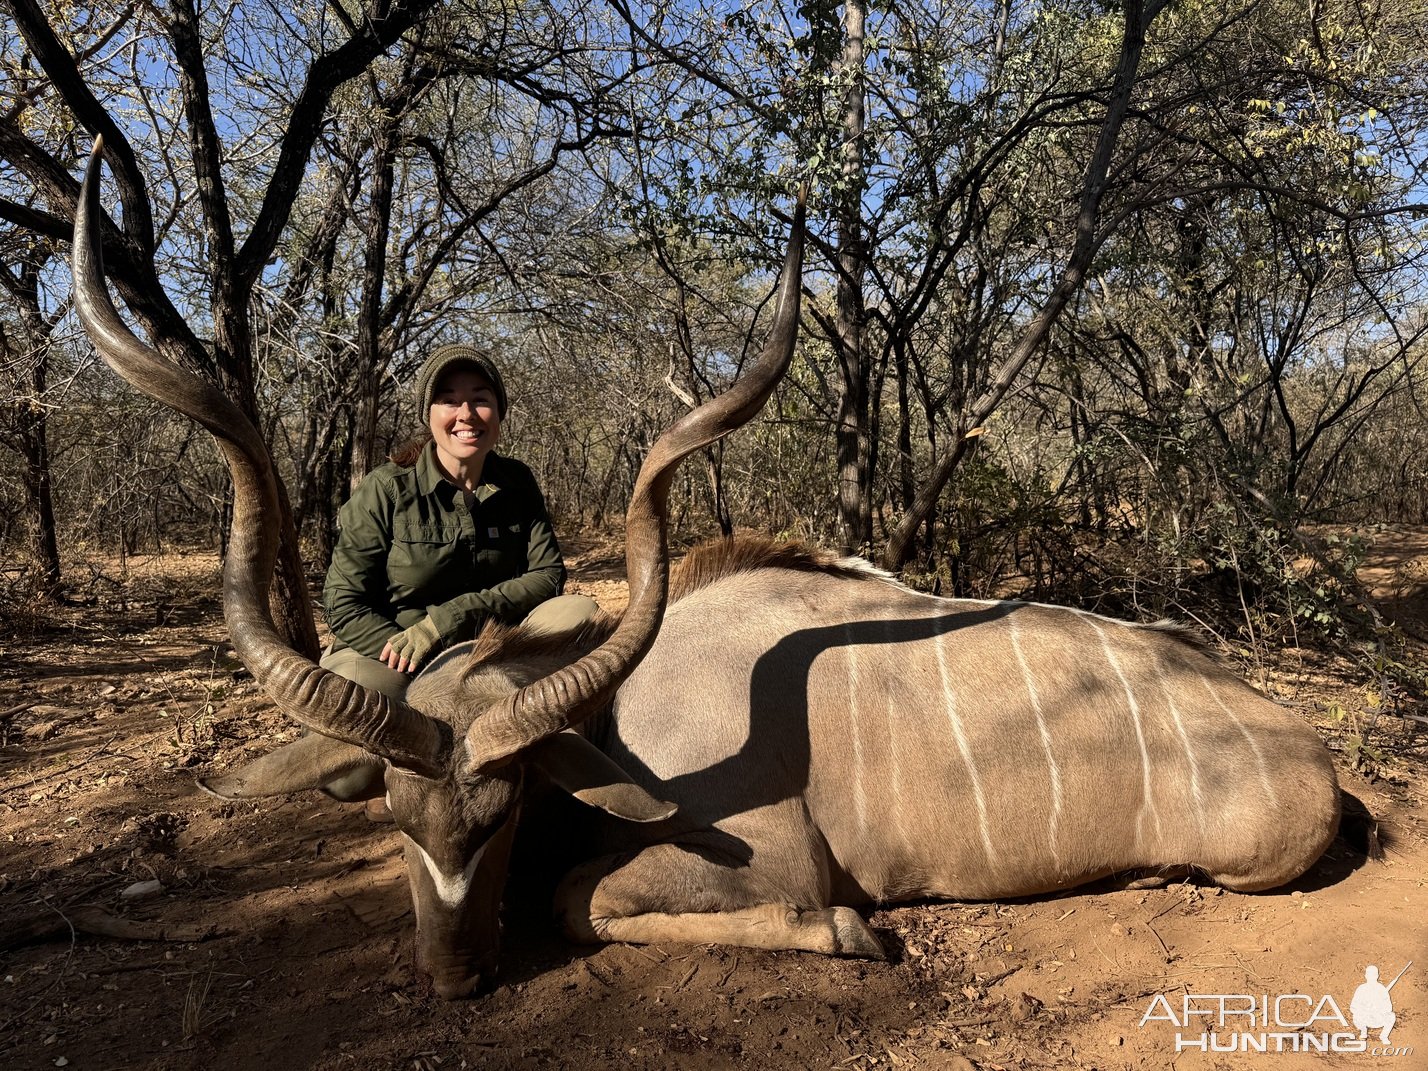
[{"x": 824, "y": 736}]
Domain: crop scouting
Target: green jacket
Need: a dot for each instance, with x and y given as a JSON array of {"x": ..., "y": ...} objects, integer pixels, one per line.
[{"x": 407, "y": 546}]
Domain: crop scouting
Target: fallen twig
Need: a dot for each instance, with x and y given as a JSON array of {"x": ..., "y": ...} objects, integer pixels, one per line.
[
  {"x": 693, "y": 968},
  {"x": 644, "y": 955},
  {"x": 728, "y": 974},
  {"x": 1176, "y": 901},
  {"x": 95, "y": 921},
  {"x": 987, "y": 983},
  {"x": 976, "y": 1020},
  {"x": 1159, "y": 941}
]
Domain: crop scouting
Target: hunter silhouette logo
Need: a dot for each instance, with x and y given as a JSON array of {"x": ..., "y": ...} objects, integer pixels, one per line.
[
  {"x": 1288, "y": 1022},
  {"x": 1372, "y": 1007}
]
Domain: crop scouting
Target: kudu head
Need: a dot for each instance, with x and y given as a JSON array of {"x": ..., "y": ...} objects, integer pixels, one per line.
[{"x": 454, "y": 768}]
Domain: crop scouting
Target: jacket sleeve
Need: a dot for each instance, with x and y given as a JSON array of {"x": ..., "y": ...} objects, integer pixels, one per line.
[
  {"x": 355, "y": 595},
  {"x": 511, "y": 600}
]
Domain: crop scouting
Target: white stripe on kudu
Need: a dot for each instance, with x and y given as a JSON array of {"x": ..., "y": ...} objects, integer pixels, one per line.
[
  {"x": 860, "y": 800},
  {"x": 1054, "y": 773},
  {"x": 889, "y": 641},
  {"x": 950, "y": 698},
  {"x": 1200, "y": 809},
  {"x": 1146, "y": 788},
  {"x": 1253, "y": 743}
]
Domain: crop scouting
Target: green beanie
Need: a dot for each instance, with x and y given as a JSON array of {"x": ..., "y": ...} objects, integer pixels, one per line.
[{"x": 445, "y": 358}]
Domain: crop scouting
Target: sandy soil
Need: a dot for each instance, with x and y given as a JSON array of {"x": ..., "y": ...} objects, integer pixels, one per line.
[{"x": 277, "y": 935}]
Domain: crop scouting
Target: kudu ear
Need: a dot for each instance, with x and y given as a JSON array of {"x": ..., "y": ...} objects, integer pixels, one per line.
[
  {"x": 587, "y": 773},
  {"x": 311, "y": 762}
]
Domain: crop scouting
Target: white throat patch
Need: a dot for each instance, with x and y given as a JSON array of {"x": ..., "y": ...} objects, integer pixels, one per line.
[{"x": 451, "y": 889}]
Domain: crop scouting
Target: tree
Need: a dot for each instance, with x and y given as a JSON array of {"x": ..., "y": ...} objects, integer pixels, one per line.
[
  {"x": 433, "y": 196},
  {"x": 233, "y": 266},
  {"x": 26, "y": 344}
]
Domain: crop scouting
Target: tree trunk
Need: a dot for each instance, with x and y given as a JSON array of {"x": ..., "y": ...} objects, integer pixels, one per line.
[
  {"x": 30, "y": 359},
  {"x": 854, "y": 493},
  {"x": 907, "y": 480},
  {"x": 332, "y": 478},
  {"x": 370, "y": 358},
  {"x": 39, "y": 498},
  {"x": 719, "y": 501}
]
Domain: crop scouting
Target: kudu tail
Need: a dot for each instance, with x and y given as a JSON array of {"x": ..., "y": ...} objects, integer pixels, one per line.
[{"x": 1360, "y": 831}]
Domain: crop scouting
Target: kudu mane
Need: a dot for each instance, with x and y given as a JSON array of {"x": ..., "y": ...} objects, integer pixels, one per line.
[
  {"x": 704, "y": 565},
  {"x": 708, "y": 563},
  {"x": 1189, "y": 635},
  {"x": 498, "y": 642},
  {"x": 711, "y": 562}
]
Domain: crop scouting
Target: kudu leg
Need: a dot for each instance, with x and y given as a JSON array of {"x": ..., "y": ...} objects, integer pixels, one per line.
[
  {"x": 668, "y": 893},
  {"x": 1157, "y": 879},
  {"x": 833, "y": 931}
]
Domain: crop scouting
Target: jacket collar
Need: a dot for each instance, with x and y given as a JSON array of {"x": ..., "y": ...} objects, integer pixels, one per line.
[{"x": 430, "y": 479}]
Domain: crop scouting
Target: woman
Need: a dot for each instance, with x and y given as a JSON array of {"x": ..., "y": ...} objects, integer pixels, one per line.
[{"x": 444, "y": 537}]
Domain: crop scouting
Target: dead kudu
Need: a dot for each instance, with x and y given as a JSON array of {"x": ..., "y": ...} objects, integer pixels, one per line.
[{"x": 823, "y": 737}]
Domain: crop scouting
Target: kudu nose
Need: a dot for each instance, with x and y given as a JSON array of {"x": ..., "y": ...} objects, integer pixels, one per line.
[
  {"x": 456, "y": 974},
  {"x": 456, "y": 987}
]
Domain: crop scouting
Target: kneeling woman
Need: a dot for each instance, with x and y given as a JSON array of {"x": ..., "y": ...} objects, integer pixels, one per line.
[{"x": 444, "y": 537}]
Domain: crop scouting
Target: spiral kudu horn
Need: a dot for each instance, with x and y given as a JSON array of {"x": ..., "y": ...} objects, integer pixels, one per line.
[
  {"x": 318, "y": 699},
  {"x": 571, "y": 694}
]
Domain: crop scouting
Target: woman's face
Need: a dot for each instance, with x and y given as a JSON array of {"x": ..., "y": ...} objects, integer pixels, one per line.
[{"x": 464, "y": 419}]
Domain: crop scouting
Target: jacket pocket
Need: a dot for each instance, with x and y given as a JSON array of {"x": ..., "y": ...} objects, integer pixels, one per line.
[
  {"x": 502, "y": 551},
  {"x": 419, "y": 555}
]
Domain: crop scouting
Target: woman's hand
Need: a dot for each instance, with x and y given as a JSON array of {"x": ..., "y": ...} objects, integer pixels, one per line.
[{"x": 407, "y": 650}]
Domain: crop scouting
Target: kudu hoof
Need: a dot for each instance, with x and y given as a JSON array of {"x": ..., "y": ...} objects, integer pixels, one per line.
[{"x": 852, "y": 936}]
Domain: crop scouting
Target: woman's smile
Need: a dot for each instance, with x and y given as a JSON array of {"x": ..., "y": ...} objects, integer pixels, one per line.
[{"x": 465, "y": 422}]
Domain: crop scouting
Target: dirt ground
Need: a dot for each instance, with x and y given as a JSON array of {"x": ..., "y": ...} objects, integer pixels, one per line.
[{"x": 277, "y": 934}]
